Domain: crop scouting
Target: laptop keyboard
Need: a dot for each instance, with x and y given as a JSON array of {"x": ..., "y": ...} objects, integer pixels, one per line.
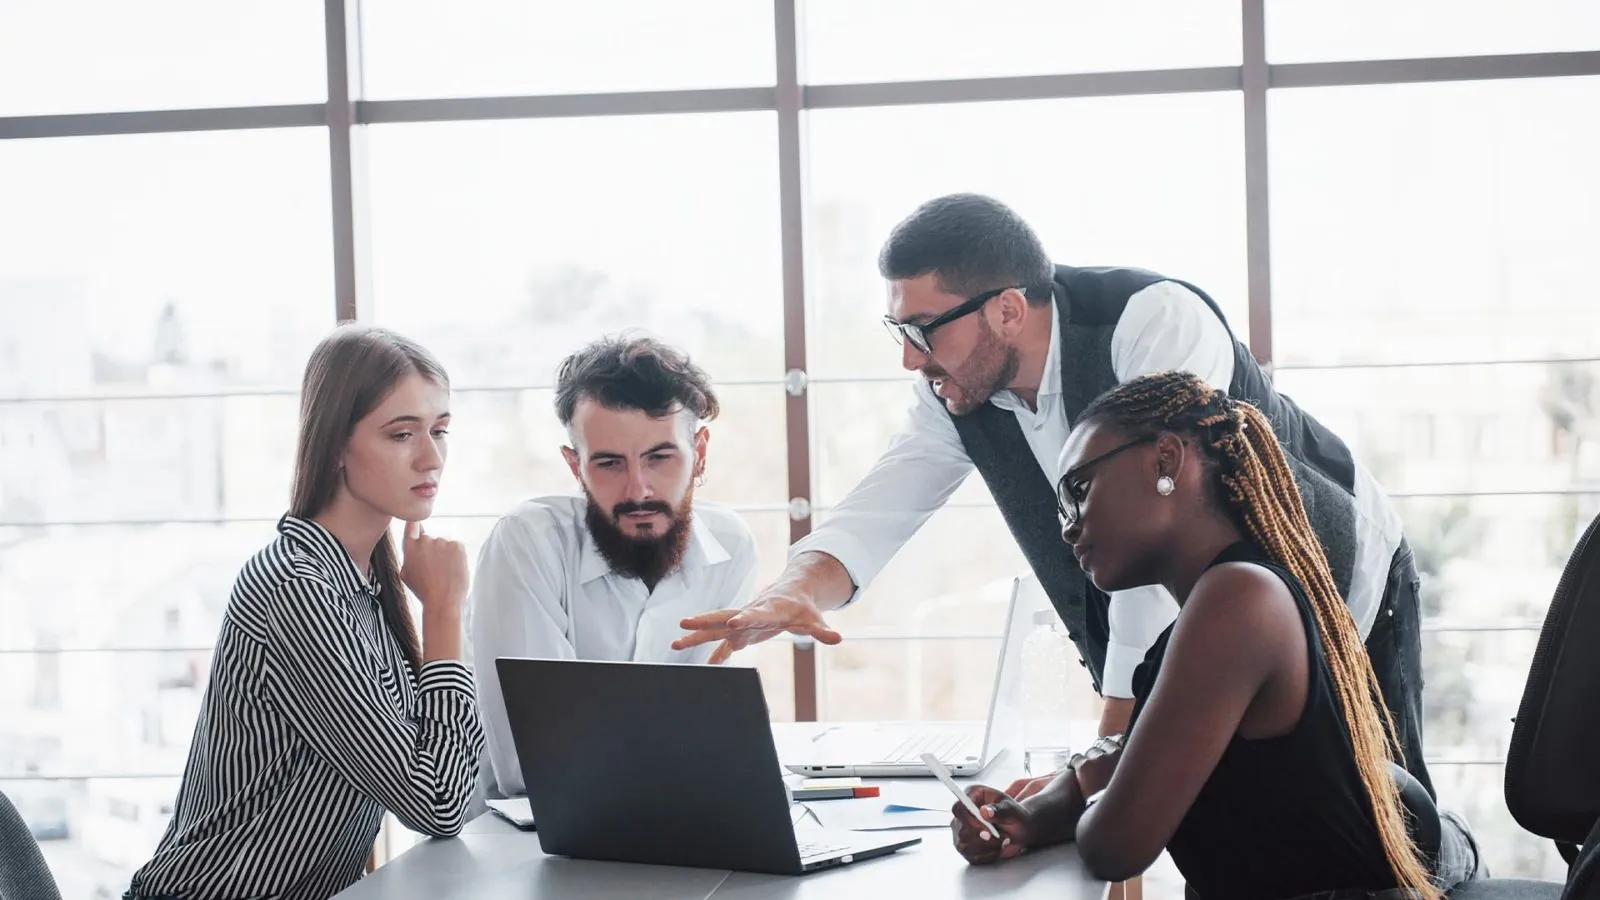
[
  {"x": 942, "y": 744},
  {"x": 814, "y": 848}
]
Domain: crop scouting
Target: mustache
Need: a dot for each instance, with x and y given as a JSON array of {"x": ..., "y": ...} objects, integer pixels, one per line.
[{"x": 651, "y": 506}]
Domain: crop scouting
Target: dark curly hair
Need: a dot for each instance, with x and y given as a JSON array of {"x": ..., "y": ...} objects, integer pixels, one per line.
[{"x": 626, "y": 372}]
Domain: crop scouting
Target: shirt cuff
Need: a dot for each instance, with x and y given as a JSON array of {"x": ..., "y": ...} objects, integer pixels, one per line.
[
  {"x": 445, "y": 693},
  {"x": 446, "y": 674},
  {"x": 843, "y": 547},
  {"x": 1121, "y": 660}
]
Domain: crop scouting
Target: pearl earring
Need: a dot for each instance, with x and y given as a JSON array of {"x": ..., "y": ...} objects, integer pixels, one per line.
[{"x": 1165, "y": 485}]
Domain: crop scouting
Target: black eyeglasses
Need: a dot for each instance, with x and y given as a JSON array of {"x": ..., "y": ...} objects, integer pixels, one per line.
[
  {"x": 1072, "y": 489},
  {"x": 918, "y": 333}
]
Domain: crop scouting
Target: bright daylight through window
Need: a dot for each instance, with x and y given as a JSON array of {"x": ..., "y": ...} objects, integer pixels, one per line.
[{"x": 172, "y": 244}]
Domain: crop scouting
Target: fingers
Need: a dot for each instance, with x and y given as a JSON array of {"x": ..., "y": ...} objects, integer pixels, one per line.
[
  {"x": 729, "y": 646},
  {"x": 799, "y": 618},
  {"x": 1018, "y": 786},
  {"x": 1027, "y": 787},
  {"x": 1005, "y": 813},
  {"x": 964, "y": 836},
  {"x": 759, "y": 617},
  {"x": 976, "y": 843},
  {"x": 963, "y": 817},
  {"x": 703, "y": 636},
  {"x": 818, "y": 631},
  {"x": 977, "y": 853},
  {"x": 739, "y": 628},
  {"x": 743, "y": 626},
  {"x": 717, "y": 618},
  {"x": 1008, "y": 816},
  {"x": 984, "y": 795},
  {"x": 413, "y": 531}
]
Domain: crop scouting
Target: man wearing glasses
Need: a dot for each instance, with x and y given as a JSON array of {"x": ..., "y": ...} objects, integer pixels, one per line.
[{"x": 1011, "y": 349}]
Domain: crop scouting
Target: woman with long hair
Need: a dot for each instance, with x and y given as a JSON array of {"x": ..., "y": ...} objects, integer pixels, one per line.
[
  {"x": 1260, "y": 755},
  {"x": 324, "y": 709}
]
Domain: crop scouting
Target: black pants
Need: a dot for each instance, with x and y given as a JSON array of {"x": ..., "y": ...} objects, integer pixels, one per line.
[
  {"x": 1458, "y": 862},
  {"x": 1395, "y": 647}
]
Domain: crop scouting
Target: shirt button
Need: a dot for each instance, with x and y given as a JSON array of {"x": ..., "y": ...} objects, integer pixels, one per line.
[{"x": 1083, "y": 664}]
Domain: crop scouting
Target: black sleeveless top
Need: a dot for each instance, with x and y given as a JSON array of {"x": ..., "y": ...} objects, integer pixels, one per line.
[{"x": 1285, "y": 816}]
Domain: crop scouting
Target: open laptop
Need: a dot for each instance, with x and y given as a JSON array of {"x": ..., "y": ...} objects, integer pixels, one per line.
[
  {"x": 662, "y": 763},
  {"x": 892, "y": 750}
]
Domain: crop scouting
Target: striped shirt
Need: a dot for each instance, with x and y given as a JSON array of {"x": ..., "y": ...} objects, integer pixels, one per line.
[{"x": 313, "y": 724}]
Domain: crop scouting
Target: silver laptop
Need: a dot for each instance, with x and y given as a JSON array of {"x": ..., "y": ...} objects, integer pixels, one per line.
[{"x": 890, "y": 750}]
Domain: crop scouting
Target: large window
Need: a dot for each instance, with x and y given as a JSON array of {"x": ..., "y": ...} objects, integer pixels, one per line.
[
  {"x": 491, "y": 48},
  {"x": 186, "y": 207},
  {"x": 907, "y": 40},
  {"x": 145, "y": 450},
  {"x": 1103, "y": 180},
  {"x": 1319, "y": 30},
  {"x": 90, "y": 56},
  {"x": 1452, "y": 219},
  {"x": 507, "y": 245},
  {"x": 1427, "y": 245},
  {"x": 544, "y": 233}
]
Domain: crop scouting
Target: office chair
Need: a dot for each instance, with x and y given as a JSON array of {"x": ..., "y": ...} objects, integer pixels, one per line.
[
  {"x": 23, "y": 874},
  {"x": 1553, "y": 767},
  {"x": 1422, "y": 816}
]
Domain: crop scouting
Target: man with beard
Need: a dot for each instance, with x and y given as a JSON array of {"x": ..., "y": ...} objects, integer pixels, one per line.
[
  {"x": 608, "y": 574},
  {"x": 1011, "y": 349}
]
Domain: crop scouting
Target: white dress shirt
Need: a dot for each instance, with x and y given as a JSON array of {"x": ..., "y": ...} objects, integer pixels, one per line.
[
  {"x": 542, "y": 590},
  {"x": 1164, "y": 327}
]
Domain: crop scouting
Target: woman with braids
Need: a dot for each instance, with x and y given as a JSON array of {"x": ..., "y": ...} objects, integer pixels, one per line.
[{"x": 1260, "y": 752}]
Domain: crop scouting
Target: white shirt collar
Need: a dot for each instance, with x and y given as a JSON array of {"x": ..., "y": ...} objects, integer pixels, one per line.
[
  {"x": 704, "y": 551},
  {"x": 1050, "y": 383}
]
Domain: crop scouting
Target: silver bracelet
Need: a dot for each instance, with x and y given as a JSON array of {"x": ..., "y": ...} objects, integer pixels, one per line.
[{"x": 1102, "y": 746}]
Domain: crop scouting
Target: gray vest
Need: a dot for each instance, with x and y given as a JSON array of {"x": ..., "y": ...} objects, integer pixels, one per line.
[{"x": 1090, "y": 302}]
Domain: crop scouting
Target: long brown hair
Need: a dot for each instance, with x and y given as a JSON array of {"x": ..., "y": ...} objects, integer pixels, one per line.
[
  {"x": 1256, "y": 486},
  {"x": 349, "y": 373}
]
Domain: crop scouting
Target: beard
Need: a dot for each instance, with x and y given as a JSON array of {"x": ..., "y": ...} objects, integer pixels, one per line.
[
  {"x": 988, "y": 370},
  {"x": 649, "y": 557}
]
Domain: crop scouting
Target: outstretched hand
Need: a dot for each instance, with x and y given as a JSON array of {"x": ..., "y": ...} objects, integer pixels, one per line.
[{"x": 772, "y": 613}]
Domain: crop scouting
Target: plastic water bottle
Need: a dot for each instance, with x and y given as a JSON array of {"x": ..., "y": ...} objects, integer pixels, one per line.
[{"x": 1047, "y": 659}]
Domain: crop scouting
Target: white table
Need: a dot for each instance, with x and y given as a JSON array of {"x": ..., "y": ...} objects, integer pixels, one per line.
[{"x": 494, "y": 861}]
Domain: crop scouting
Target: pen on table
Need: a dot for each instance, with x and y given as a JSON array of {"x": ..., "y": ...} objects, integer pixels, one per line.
[{"x": 833, "y": 793}]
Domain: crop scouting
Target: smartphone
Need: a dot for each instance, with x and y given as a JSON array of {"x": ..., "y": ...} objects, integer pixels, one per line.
[{"x": 943, "y": 774}]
